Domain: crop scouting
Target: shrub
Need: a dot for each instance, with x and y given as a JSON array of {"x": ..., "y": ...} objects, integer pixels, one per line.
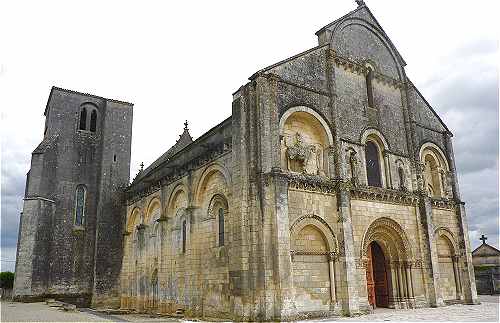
[{"x": 6, "y": 279}]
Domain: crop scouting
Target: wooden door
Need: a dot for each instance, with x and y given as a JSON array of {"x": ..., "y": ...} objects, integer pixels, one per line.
[
  {"x": 370, "y": 284},
  {"x": 379, "y": 273}
]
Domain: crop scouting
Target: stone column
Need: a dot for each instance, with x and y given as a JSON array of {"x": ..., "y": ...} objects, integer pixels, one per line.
[
  {"x": 402, "y": 293},
  {"x": 409, "y": 283},
  {"x": 331, "y": 264},
  {"x": 395, "y": 285},
  {"x": 457, "y": 277},
  {"x": 387, "y": 167}
]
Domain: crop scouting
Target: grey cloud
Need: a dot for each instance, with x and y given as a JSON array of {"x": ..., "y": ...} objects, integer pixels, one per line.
[
  {"x": 465, "y": 94},
  {"x": 14, "y": 167}
]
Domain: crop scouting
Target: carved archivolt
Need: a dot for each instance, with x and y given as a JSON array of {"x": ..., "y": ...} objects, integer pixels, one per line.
[{"x": 390, "y": 235}]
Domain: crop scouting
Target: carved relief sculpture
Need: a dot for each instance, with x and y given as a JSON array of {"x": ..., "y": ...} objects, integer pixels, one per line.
[{"x": 299, "y": 155}]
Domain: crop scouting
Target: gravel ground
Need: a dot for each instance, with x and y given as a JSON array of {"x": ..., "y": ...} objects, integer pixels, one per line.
[{"x": 488, "y": 310}]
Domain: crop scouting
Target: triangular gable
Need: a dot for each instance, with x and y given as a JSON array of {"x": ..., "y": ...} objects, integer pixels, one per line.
[
  {"x": 364, "y": 13},
  {"x": 423, "y": 112},
  {"x": 485, "y": 250}
]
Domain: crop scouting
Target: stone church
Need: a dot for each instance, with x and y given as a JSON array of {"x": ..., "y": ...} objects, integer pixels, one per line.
[{"x": 330, "y": 190}]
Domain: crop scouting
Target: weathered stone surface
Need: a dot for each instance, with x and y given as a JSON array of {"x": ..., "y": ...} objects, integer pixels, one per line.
[{"x": 273, "y": 213}]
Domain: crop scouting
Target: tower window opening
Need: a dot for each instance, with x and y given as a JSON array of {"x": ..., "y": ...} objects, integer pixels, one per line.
[
  {"x": 93, "y": 120},
  {"x": 83, "y": 119}
]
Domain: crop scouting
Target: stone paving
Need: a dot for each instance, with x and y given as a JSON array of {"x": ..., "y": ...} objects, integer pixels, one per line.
[{"x": 487, "y": 311}]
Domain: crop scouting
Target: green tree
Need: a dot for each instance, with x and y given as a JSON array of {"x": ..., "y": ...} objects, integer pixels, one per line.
[{"x": 6, "y": 279}]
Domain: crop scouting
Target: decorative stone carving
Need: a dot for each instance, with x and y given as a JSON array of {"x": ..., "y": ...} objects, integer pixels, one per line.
[
  {"x": 387, "y": 227},
  {"x": 301, "y": 154},
  {"x": 443, "y": 203},
  {"x": 305, "y": 182},
  {"x": 385, "y": 195},
  {"x": 354, "y": 166},
  {"x": 341, "y": 248}
]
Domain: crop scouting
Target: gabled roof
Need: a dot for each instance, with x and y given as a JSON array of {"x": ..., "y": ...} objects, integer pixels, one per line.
[
  {"x": 360, "y": 8},
  {"x": 485, "y": 250},
  {"x": 184, "y": 140}
]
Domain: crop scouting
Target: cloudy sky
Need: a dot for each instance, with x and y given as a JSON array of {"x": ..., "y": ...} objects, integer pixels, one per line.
[{"x": 182, "y": 61}]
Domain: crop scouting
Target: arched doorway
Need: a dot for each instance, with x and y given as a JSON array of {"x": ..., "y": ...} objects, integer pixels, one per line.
[
  {"x": 376, "y": 277},
  {"x": 387, "y": 255}
]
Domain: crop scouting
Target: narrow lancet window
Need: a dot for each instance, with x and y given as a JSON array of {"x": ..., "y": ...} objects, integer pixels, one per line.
[
  {"x": 93, "y": 120},
  {"x": 372, "y": 165},
  {"x": 80, "y": 201},
  {"x": 184, "y": 236},
  {"x": 83, "y": 119},
  {"x": 221, "y": 227},
  {"x": 369, "y": 89}
]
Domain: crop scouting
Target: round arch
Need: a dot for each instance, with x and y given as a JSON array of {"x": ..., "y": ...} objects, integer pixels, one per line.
[
  {"x": 217, "y": 199},
  {"x": 152, "y": 205},
  {"x": 132, "y": 219},
  {"x": 207, "y": 172},
  {"x": 449, "y": 236},
  {"x": 178, "y": 189},
  {"x": 350, "y": 21},
  {"x": 390, "y": 234},
  {"x": 376, "y": 135},
  {"x": 321, "y": 225},
  {"x": 310, "y": 111},
  {"x": 433, "y": 150}
]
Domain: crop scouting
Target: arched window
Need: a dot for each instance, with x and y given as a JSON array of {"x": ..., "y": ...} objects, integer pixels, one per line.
[
  {"x": 369, "y": 89},
  {"x": 83, "y": 119},
  {"x": 184, "y": 236},
  {"x": 80, "y": 201},
  {"x": 432, "y": 176},
  {"x": 221, "y": 227},
  {"x": 93, "y": 120},
  {"x": 434, "y": 171},
  {"x": 373, "y": 165}
]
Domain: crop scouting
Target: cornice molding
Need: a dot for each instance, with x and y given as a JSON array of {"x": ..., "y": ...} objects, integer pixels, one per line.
[{"x": 385, "y": 195}]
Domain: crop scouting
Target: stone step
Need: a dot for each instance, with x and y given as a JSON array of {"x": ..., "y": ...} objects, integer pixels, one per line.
[
  {"x": 56, "y": 304},
  {"x": 69, "y": 307}
]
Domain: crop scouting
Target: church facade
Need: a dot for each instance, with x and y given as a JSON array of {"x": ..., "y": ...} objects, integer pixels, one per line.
[{"x": 331, "y": 189}]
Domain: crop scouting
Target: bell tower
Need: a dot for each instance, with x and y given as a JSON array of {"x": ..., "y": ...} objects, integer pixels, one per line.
[{"x": 69, "y": 244}]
